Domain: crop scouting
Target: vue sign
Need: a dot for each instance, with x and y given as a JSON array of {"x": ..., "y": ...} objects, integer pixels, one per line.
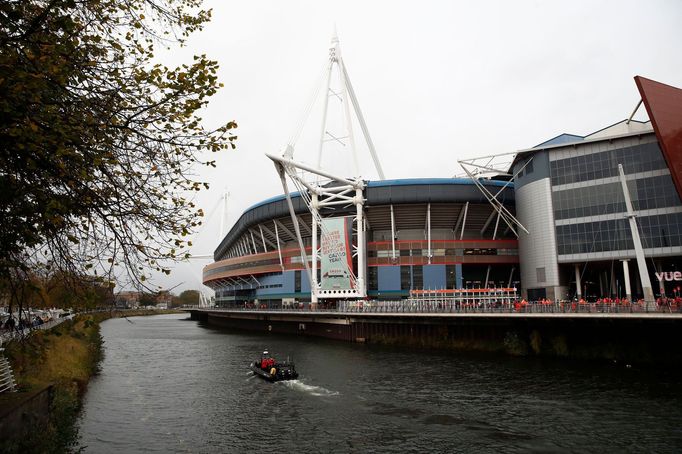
[{"x": 669, "y": 276}]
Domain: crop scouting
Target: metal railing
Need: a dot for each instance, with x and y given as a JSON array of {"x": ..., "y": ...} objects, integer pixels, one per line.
[
  {"x": 17, "y": 333},
  {"x": 7, "y": 383},
  {"x": 450, "y": 306}
]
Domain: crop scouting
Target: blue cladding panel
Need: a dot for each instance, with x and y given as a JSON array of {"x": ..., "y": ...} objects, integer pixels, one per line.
[
  {"x": 288, "y": 281},
  {"x": 389, "y": 278},
  {"x": 560, "y": 139},
  {"x": 305, "y": 282},
  {"x": 458, "y": 275},
  {"x": 274, "y": 281},
  {"x": 434, "y": 276}
]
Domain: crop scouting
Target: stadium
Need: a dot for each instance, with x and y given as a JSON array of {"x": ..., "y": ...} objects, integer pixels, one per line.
[
  {"x": 421, "y": 234},
  {"x": 592, "y": 216}
]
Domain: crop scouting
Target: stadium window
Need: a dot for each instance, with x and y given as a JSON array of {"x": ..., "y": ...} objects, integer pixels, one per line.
[
  {"x": 297, "y": 281},
  {"x": 451, "y": 276},
  {"x": 372, "y": 278},
  {"x": 405, "y": 278},
  {"x": 418, "y": 276}
]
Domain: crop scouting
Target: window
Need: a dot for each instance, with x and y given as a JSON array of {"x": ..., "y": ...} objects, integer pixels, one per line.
[
  {"x": 451, "y": 276},
  {"x": 541, "y": 274},
  {"x": 418, "y": 277},
  {"x": 405, "y": 278},
  {"x": 297, "y": 281},
  {"x": 638, "y": 158},
  {"x": 372, "y": 279}
]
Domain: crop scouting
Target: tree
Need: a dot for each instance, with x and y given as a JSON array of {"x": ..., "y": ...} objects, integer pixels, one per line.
[
  {"x": 187, "y": 298},
  {"x": 147, "y": 299},
  {"x": 97, "y": 142}
]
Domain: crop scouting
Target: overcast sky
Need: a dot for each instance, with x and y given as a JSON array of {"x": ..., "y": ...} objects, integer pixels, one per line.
[{"x": 437, "y": 81}]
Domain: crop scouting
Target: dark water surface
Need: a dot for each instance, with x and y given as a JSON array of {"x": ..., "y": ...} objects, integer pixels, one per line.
[{"x": 169, "y": 384}]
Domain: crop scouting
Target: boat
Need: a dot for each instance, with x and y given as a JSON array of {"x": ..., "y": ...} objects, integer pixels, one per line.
[{"x": 273, "y": 371}]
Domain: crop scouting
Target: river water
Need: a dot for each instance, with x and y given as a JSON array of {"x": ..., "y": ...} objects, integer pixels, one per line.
[{"x": 169, "y": 384}]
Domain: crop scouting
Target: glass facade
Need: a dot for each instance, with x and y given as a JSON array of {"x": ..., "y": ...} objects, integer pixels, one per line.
[
  {"x": 451, "y": 276},
  {"x": 405, "y": 278},
  {"x": 639, "y": 158},
  {"x": 590, "y": 237},
  {"x": 661, "y": 231},
  {"x": 655, "y": 231},
  {"x": 297, "y": 281},
  {"x": 646, "y": 193},
  {"x": 417, "y": 276},
  {"x": 372, "y": 278}
]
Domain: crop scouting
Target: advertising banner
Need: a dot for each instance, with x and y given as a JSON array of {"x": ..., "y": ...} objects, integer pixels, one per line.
[{"x": 335, "y": 254}]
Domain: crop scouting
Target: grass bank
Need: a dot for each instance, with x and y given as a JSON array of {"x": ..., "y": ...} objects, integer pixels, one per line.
[{"x": 65, "y": 357}]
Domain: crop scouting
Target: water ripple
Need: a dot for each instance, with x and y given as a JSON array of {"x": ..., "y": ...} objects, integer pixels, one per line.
[{"x": 169, "y": 384}]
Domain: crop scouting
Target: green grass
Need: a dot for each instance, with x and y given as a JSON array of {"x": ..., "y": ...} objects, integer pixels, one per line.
[{"x": 65, "y": 356}]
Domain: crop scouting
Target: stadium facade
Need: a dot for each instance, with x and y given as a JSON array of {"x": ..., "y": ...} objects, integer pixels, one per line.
[
  {"x": 444, "y": 234},
  {"x": 421, "y": 234}
]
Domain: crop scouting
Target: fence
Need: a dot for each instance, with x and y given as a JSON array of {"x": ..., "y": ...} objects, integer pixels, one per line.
[
  {"x": 16, "y": 333},
  {"x": 488, "y": 304},
  {"x": 7, "y": 383},
  {"x": 445, "y": 305}
]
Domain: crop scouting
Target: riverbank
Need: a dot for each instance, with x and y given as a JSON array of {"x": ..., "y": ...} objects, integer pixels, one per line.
[{"x": 52, "y": 369}]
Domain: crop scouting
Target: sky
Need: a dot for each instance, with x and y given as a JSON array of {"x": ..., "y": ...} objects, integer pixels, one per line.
[{"x": 437, "y": 81}]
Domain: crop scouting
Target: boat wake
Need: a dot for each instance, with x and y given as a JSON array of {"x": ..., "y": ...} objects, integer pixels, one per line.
[{"x": 317, "y": 391}]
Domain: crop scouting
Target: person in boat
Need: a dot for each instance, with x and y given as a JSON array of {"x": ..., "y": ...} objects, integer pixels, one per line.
[{"x": 266, "y": 361}]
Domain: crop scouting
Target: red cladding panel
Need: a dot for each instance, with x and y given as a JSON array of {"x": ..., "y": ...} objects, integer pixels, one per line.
[{"x": 664, "y": 105}]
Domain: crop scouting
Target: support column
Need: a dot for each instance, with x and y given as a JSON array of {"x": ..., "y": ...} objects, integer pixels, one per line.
[
  {"x": 578, "y": 285},
  {"x": 626, "y": 272},
  {"x": 393, "y": 234},
  {"x": 464, "y": 220},
  {"x": 279, "y": 247},
  {"x": 511, "y": 276},
  {"x": 613, "y": 282},
  {"x": 362, "y": 289},
  {"x": 428, "y": 233},
  {"x": 314, "y": 285},
  {"x": 661, "y": 284},
  {"x": 639, "y": 251}
]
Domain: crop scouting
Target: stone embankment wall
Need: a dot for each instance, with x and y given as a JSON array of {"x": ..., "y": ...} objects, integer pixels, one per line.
[{"x": 633, "y": 339}]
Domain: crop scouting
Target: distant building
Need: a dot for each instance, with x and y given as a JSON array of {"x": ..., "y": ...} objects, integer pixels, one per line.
[
  {"x": 163, "y": 299},
  {"x": 127, "y": 300}
]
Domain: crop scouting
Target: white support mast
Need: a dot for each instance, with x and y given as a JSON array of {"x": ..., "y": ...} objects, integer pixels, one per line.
[
  {"x": 347, "y": 97},
  {"x": 334, "y": 191},
  {"x": 342, "y": 192},
  {"x": 476, "y": 168},
  {"x": 223, "y": 214},
  {"x": 639, "y": 251}
]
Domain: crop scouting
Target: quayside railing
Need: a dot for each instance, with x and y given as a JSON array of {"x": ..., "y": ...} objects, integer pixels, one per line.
[
  {"x": 449, "y": 306},
  {"x": 7, "y": 383}
]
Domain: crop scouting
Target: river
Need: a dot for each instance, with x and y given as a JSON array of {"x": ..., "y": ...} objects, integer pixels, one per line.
[{"x": 169, "y": 384}]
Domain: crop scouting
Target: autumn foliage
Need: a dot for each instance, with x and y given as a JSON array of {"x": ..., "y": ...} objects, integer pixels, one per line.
[{"x": 99, "y": 144}]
